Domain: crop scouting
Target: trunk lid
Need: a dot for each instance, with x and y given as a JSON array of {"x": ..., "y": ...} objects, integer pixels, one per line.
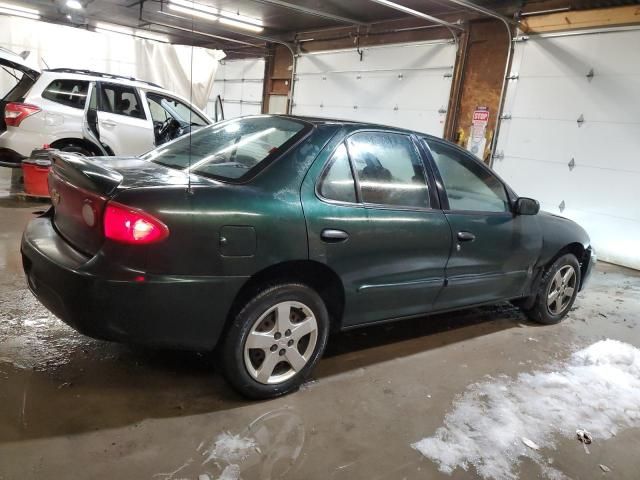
[
  {"x": 13, "y": 63},
  {"x": 80, "y": 188}
]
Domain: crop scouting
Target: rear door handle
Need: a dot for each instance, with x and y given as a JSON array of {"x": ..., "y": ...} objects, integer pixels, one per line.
[
  {"x": 331, "y": 235},
  {"x": 108, "y": 123},
  {"x": 466, "y": 236}
]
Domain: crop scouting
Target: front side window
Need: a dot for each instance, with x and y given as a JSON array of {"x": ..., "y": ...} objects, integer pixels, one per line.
[
  {"x": 469, "y": 185},
  {"x": 389, "y": 169},
  {"x": 72, "y": 93},
  {"x": 337, "y": 181},
  {"x": 167, "y": 106},
  {"x": 121, "y": 100},
  {"x": 230, "y": 150}
]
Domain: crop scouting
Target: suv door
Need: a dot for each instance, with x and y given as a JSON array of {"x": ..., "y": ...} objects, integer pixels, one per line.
[
  {"x": 494, "y": 249},
  {"x": 370, "y": 218},
  {"x": 122, "y": 120}
]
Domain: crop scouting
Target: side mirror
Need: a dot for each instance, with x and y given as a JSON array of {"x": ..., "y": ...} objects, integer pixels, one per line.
[{"x": 527, "y": 206}]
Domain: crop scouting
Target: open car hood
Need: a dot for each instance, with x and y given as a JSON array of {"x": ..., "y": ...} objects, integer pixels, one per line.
[{"x": 21, "y": 62}]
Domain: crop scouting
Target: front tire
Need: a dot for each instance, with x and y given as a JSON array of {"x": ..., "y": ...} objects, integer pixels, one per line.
[
  {"x": 557, "y": 291},
  {"x": 275, "y": 341}
]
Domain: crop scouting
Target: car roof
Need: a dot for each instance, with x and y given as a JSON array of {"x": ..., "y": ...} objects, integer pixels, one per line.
[
  {"x": 121, "y": 79},
  {"x": 353, "y": 124}
]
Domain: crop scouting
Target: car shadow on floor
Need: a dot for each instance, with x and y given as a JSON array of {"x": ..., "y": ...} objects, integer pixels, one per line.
[{"x": 105, "y": 385}]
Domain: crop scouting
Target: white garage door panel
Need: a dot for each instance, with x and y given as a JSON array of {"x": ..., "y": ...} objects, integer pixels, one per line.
[
  {"x": 581, "y": 188},
  {"x": 240, "y": 84},
  {"x": 577, "y": 54},
  {"x": 542, "y": 136},
  {"x": 404, "y": 85},
  {"x": 619, "y": 148},
  {"x": 608, "y": 99},
  {"x": 347, "y": 89},
  {"x": 388, "y": 57}
]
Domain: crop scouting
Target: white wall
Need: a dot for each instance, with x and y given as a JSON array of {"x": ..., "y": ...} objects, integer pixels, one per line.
[{"x": 58, "y": 46}]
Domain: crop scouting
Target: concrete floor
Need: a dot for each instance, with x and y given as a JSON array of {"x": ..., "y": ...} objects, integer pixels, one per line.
[{"x": 72, "y": 407}]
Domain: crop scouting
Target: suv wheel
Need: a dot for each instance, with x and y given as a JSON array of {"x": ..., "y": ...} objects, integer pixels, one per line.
[
  {"x": 275, "y": 341},
  {"x": 73, "y": 148},
  {"x": 557, "y": 291}
]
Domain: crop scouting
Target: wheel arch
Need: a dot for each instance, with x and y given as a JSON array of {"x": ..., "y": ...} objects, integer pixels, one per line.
[
  {"x": 82, "y": 142},
  {"x": 316, "y": 275}
]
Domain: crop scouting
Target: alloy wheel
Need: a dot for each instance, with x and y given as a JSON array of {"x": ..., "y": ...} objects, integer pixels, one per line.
[
  {"x": 280, "y": 342},
  {"x": 561, "y": 290}
]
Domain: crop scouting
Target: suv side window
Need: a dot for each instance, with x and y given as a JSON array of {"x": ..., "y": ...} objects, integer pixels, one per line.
[
  {"x": 337, "y": 181},
  {"x": 72, "y": 93},
  {"x": 469, "y": 185},
  {"x": 121, "y": 100},
  {"x": 389, "y": 169}
]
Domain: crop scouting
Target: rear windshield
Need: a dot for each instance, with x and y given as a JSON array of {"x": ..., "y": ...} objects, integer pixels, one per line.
[{"x": 231, "y": 150}]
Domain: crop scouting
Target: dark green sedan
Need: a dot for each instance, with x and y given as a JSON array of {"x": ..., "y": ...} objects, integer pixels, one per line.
[{"x": 260, "y": 235}]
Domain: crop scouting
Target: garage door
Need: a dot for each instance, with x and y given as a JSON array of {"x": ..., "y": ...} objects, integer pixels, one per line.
[
  {"x": 403, "y": 85},
  {"x": 239, "y": 83},
  {"x": 571, "y": 138}
]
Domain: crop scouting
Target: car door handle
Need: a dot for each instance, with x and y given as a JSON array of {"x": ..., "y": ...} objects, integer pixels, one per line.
[
  {"x": 466, "y": 236},
  {"x": 108, "y": 123},
  {"x": 331, "y": 235}
]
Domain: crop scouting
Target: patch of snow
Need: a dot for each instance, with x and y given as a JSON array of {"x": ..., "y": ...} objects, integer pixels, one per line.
[
  {"x": 229, "y": 448},
  {"x": 597, "y": 388},
  {"x": 230, "y": 472}
]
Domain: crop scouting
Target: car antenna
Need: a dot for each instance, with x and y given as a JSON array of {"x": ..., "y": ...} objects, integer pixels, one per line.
[{"x": 189, "y": 190}]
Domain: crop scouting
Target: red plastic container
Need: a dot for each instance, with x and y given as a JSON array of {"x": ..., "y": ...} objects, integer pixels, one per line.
[{"x": 36, "y": 171}]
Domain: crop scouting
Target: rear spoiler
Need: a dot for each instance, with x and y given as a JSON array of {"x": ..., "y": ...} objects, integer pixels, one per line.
[{"x": 81, "y": 172}]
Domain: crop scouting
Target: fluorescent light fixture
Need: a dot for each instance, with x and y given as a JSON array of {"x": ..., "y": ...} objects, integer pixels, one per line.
[
  {"x": 111, "y": 28},
  {"x": 192, "y": 12},
  {"x": 246, "y": 26},
  {"x": 242, "y": 18},
  {"x": 195, "y": 6},
  {"x": 74, "y": 4},
  {"x": 10, "y": 9},
  {"x": 158, "y": 37}
]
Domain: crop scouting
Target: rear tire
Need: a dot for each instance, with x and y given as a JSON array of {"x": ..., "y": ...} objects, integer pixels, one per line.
[
  {"x": 557, "y": 291},
  {"x": 76, "y": 148},
  {"x": 275, "y": 341}
]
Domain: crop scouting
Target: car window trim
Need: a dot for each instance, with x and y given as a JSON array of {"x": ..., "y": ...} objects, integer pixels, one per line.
[
  {"x": 385, "y": 206},
  {"x": 135, "y": 92},
  {"x": 446, "y": 207}
]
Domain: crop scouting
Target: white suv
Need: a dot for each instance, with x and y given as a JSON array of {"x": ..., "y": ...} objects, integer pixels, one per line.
[{"x": 87, "y": 112}]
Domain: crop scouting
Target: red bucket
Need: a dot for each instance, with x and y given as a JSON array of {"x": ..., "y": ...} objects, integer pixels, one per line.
[{"x": 36, "y": 172}]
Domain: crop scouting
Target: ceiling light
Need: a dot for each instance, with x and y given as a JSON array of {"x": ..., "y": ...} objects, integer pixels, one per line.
[
  {"x": 195, "y": 6},
  {"x": 193, "y": 13},
  {"x": 74, "y": 4},
  {"x": 246, "y": 26},
  {"x": 242, "y": 18},
  {"x": 158, "y": 37},
  {"x": 10, "y": 9}
]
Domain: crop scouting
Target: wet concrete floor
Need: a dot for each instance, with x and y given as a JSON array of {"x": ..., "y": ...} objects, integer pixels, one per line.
[{"x": 76, "y": 408}]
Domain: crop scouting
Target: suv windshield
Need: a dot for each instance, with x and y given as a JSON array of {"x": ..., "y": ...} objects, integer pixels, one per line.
[{"x": 230, "y": 150}]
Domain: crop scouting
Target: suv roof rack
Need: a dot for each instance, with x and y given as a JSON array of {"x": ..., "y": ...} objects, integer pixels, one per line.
[{"x": 101, "y": 74}]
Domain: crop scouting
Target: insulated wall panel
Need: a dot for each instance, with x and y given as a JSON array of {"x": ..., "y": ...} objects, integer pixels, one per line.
[
  {"x": 405, "y": 85},
  {"x": 573, "y": 136}
]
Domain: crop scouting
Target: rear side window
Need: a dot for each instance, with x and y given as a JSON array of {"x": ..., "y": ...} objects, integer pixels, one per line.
[
  {"x": 121, "y": 100},
  {"x": 389, "y": 169},
  {"x": 72, "y": 93},
  {"x": 337, "y": 182}
]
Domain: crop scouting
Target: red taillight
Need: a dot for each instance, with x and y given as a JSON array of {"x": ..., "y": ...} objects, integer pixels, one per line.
[
  {"x": 128, "y": 225},
  {"x": 15, "y": 113}
]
